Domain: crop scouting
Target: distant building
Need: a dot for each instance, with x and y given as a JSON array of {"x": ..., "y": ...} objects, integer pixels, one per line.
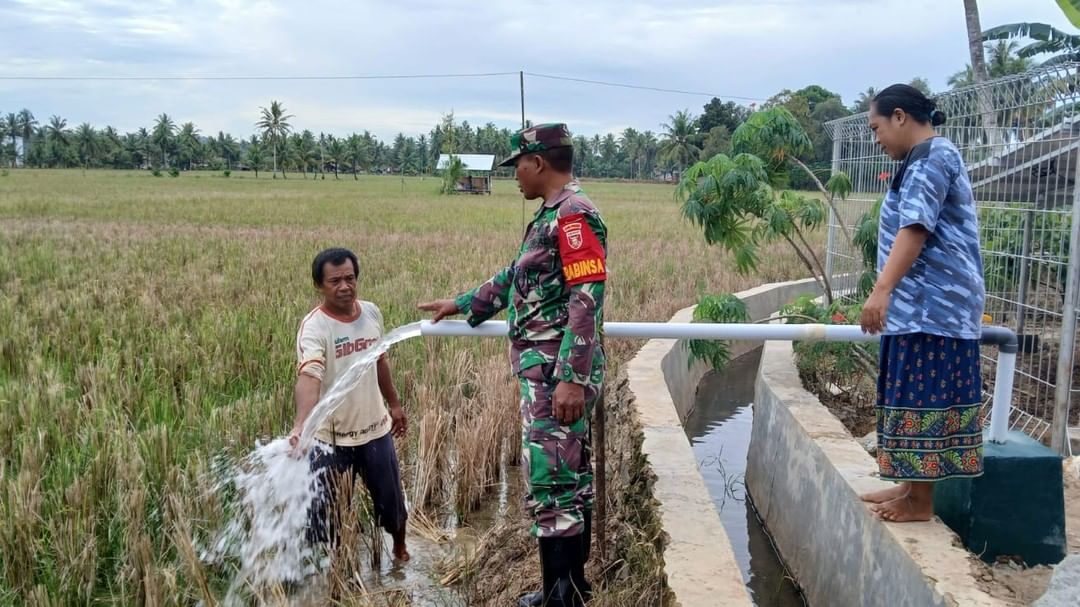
[{"x": 478, "y": 169}]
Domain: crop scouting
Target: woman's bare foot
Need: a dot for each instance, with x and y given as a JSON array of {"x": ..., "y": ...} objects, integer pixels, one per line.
[
  {"x": 917, "y": 505},
  {"x": 886, "y": 495}
]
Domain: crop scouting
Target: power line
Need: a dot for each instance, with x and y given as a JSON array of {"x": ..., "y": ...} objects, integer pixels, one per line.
[
  {"x": 218, "y": 78},
  {"x": 371, "y": 77},
  {"x": 641, "y": 87}
]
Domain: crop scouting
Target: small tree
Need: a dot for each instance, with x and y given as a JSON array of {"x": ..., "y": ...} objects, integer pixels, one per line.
[
  {"x": 255, "y": 157},
  {"x": 737, "y": 201},
  {"x": 777, "y": 137},
  {"x": 453, "y": 173}
]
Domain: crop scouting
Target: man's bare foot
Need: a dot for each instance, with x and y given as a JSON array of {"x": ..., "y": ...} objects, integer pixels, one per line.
[
  {"x": 401, "y": 553},
  {"x": 886, "y": 495},
  {"x": 917, "y": 505}
]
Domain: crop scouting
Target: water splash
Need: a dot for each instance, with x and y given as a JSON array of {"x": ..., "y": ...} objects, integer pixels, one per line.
[{"x": 271, "y": 491}]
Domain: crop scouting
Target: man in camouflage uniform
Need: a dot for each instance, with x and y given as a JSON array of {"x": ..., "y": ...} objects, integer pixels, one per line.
[{"x": 555, "y": 294}]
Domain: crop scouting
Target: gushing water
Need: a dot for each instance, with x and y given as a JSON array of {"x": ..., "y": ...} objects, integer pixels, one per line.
[{"x": 273, "y": 489}]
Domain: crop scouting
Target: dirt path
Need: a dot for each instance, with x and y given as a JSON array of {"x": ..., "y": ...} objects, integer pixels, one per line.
[{"x": 1072, "y": 503}]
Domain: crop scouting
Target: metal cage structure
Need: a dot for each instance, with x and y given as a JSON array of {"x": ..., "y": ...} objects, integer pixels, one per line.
[{"x": 1020, "y": 139}]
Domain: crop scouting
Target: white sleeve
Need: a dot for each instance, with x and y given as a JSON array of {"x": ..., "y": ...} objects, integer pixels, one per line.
[
  {"x": 376, "y": 315},
  {"x": 311, "y": 348}
]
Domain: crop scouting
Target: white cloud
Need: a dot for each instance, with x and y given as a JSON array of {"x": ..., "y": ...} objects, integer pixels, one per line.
[{"x": 732, "y": 47}]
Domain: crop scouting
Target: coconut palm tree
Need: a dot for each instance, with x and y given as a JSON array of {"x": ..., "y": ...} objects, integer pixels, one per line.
[
  {"x": 975, "y": 40},
  {"x": 678, "y": 139},
  {"x": 255, "y": 158},
  {"x": 275, "y": 127},
  {"x": 229, "y": 149},
  {"x": 162, "y": 136},
  {"x": 630, "y": 145},
  {"x": 650, "y": 147},
  {"x": 357, "y": 152},
  {"x": 862, "y": 104},
  {"x": 86, "y": 142},
  {"x": 335, "y": 152},
  {"x": 27, "y": 123},
  {"x": 189, "y": 145},
  {"x": 1004, "y": 61},
  {"x": 308, "y": 151},
  {"x": 112, "y": 146},
  {"x": 58, "y": 141},
  {"x": 10, "y": 127},
  {"x": 1045, "y": 39}
]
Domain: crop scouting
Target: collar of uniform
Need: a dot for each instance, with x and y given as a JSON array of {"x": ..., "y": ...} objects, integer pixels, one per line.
[{"x": 572, "y": 187}]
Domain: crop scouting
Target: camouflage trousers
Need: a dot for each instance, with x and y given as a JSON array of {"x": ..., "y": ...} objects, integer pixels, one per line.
[{"x": 557, "y": 458}]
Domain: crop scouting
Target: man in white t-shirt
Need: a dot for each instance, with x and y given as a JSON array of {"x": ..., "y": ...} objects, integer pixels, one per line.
[{"x": 357, "y": 439}]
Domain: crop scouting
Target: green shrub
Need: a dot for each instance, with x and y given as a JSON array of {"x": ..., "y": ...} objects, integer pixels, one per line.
[{"x": 723, "y": 308}]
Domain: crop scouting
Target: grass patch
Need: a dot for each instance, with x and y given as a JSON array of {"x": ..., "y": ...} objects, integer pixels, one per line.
[{"x": 151, "y": 327}]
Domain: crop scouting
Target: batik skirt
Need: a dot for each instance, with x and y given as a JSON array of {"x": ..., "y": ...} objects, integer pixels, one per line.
[{"x": 929, "y": 426}]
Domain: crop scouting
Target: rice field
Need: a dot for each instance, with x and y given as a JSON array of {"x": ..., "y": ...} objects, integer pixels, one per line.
[{"x": 149, "y": 328}]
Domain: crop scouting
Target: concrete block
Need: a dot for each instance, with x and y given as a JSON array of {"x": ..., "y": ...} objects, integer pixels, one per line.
[
  {"x": 1016, "y": 508},
  {"x": 1064, "y": 590}
]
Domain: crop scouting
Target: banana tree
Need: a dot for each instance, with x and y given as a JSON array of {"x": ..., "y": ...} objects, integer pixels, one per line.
[{"x": 1046, "y": 39}]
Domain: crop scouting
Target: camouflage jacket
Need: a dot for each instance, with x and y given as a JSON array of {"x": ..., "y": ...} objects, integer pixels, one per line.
[{"x": 554, "y": 291}]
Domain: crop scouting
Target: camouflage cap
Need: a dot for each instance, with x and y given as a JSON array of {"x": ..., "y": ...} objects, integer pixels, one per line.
[{"x": 538, "y": 138}]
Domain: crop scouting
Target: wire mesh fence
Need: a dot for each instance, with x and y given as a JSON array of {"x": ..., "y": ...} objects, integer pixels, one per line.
[{"x": 1020, "y": 138}]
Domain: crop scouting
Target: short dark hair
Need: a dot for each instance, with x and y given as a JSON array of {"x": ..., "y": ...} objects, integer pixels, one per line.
[
  {"x": 335, "y": 257},
  {"x": 560, "y": 159},
  {"x": 911, "y": 100}
]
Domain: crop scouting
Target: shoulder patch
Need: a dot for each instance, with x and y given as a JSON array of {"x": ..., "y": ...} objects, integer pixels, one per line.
[{"x": 582, "y": 256}]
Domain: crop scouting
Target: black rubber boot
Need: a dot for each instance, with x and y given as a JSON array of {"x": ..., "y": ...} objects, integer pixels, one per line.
[
  {"x": 560, "y": 558},
  {"x": 578, "y": 573}
]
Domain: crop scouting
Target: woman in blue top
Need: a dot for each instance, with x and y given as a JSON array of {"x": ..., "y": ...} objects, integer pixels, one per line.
[{"x": 927, "y": 303}]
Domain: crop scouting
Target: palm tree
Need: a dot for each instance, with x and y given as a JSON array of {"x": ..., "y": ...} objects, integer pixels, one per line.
[
  {"x": 110, "y": 139},
  {"x": 255, "y": 158},
  {"x": 1046, "y": 40},
  {"x": 609, "y": 152},
  {"x": 335, "y": 152},
  {"x": 975, "y": 40},
  {"x": 275, "y": 127},
  {"x": 978, "y": 70},
  {"x": 356, "y": 152},
  {"x": 26, "y": 127},
  {"x": 138, "y": 145},
  {"x": 229, "y": 148},
  {"x": 162, "y": 137},
  {"x": 678, "y": 143},
  {"x": 862, "y": 104},
  {"x": 10, "y": 127},
  {"x": 422, "y": 154},
  {"x": 630, "y": 144},
  {"x": 650, "y": 147},
  {"x": 188, "y": 141},
  {"x": 294, "y": 149},
  {"x": 307, "y": 151},
  {"x": 86, "y": 141},
  {"x": 57, "y": 138},
  {"x": 1004, "y": 61},
  {"x": 581, "y": 155}
]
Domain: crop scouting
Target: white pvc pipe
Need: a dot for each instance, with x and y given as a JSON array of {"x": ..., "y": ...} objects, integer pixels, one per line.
[
  {"x": 1003, "y": 384},
  {"x": 1002, "y": 405},
  {"x": 673, "y": 330}
]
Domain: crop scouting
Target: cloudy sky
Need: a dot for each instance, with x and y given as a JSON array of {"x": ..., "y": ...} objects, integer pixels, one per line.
[{"x": 742, "y": 49}]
